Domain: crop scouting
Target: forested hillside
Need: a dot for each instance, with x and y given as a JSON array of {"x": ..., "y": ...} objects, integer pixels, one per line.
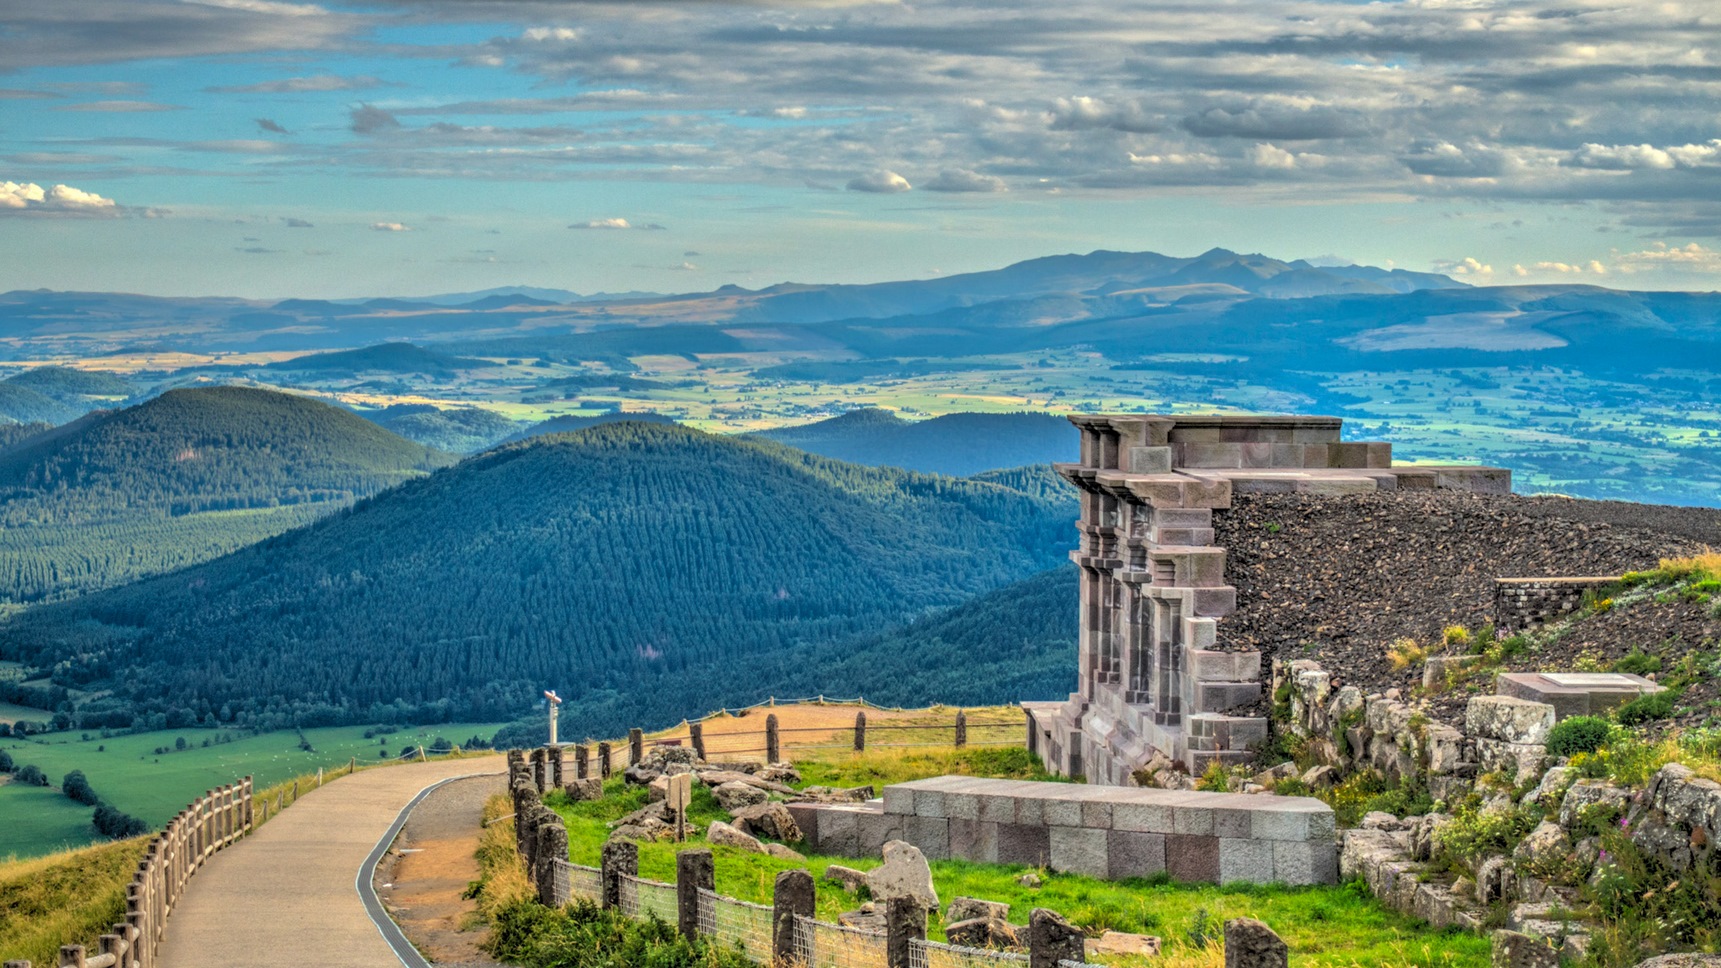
[
  {"x": 639, "y": 569},
  {"x": 957, "y": 443},
  {"x": 458, "y": 430},
  {"x": 182, "y": 478}
]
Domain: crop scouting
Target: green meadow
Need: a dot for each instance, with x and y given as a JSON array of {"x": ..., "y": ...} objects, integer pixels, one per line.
[{"x": 128, "y": 772}]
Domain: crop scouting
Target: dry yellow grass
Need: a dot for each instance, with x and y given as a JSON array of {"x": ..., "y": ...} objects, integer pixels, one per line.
[
  {"x": 1705, "y": 566},
  {"x": 66, "y": 898},
  {"x": 504, "y": 874},
  {"x": 815, "y": 726}
]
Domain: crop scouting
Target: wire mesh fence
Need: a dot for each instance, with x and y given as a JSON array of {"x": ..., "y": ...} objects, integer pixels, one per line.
[
  {"x": 820, "y": 944},
  {"x": 576, "y": 882},
  {"x": 643, "y": 899},
  {"x": 936, "y": 954},
  {"x": 736, "y": 924}
]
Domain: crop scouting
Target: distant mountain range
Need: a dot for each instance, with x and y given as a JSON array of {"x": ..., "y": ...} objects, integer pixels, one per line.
[
  {"x": 958, "y": 444},
  {"x": 642, "y": 570}
]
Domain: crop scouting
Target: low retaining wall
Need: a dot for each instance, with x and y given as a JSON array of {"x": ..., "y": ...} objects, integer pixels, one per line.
[
  {"x": 1107, "y": 832},
  {"x": 1521, "y": 603}
]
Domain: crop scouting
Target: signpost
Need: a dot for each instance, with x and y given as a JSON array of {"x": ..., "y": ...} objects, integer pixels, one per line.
[
  {"x": 680, "y": 795},
  {"x": 555, "y": 705}
]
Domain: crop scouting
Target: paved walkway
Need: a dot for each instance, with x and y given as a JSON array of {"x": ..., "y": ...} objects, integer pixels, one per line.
[{"x": 286, "y": 896}]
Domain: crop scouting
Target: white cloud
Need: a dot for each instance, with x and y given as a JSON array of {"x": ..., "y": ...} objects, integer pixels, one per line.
[
  {"x": 615, "y": 223},
  {"x": 29, "y": 198},
  {"x": 963, "y": 180},
  {"x": 1271, "y": 156},
  {"x": 1688, "y": 259},
  {"x": 1467, "y": 267},
  {"x": 541, "y": 34},
  {"x": 881, "y": 182},
  {"x": 389, "y": 227}
]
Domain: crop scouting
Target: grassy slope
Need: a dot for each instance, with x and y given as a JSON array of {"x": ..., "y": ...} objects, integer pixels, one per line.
[
  {"x": 129, "y": 775},
  {"x": 1337, "y": 926},
  {"x": 40, "y": 820},
  {"x": 66, "y": 898}
]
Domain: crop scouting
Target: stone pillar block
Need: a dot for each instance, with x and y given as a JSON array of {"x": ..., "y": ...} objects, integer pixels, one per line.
[
  {"x": 904, "y": 923},
  {"x": 794, "y": 895},
  {"x": 694, "y": 870},
  {"x": 1051, "y": 939},
  {"x": 617, "y": 858},
  {"x": 1251, "y": 944}
]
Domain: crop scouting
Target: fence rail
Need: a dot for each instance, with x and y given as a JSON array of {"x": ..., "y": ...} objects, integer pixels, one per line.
[{"x": 783, "y": 932}]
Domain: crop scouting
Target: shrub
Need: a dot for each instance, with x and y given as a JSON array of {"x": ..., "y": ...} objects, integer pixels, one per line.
[
  {"x": 1204, "y": 929},
  {"x": 1578, "y": 734},
  {"x": 1638, "y": 662},
  {"x": 1215, "y": 780},
  {"x": 30, "y": 775},
  {"x": 1455, "y": 636},
  {"x": 6, "y": 763},
  {"x": 116, "y": 825},
  {"x": 1405, "y": 653},
  {"x": 1646, "y": 708},
  {"x": 77, "y": 787}
]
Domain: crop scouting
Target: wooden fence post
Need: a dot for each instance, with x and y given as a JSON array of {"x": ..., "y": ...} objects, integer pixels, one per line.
[
  {"x": 694, "y": 869},
  {"x": 961, "y": 729},
  {"x": 604, "y": 760},
  {"x": 696, "y": 735},
  {"x": 618, "y": 857},
  {"x": 635, "y": 746},
  {"x": 860, "y": 732},
  {"x": 904, "y": 924},
  {"x": 71, "y": 956},
  {"x": 773, "y": 750},
  {"x": 792, "y": 896}
]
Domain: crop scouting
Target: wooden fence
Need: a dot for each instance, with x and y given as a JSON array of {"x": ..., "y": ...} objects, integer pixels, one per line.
[{"x": 213, "y": 821}]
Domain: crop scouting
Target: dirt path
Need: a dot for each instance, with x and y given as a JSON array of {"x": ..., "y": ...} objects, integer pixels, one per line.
[
  {"x": 423, "y": 877},
  {"x": 287, "y": 895}
]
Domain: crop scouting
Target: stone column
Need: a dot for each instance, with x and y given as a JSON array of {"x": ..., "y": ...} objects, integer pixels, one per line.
[
  {"x": 604, "y": 760},
  {"x": 556, "y": 764},
  {"x": 961, "y": 729},
  {"x": 773, "y": 749},
  {"x": 582, "y": 761},
  {"x": 694, "y": 870},
  {"x": 618, "y": 857},
  {"x": 904, "y": 924},
  {"x": 635, "y": 746},
  {"x": 552, "y": 847},
  {"x": 860, "y": 732},
  {"x": 696, "y": 736},
  {"x": 794, "y": 895},
  {"x": 539, "y": 773},
  {"x": 1251, "y": 944},
  {"x": 1051, "y": 939}
]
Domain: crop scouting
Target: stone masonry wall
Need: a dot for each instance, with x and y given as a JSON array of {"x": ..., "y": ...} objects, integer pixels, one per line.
[
  {"x": 1106, "y": 832},
  {"x": 1522, "y": 603}
]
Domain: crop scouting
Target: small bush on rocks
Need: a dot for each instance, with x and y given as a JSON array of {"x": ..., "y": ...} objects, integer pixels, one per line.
[
  {"x": 1578, "y": 734},
  {"x": 1455, "y": 637},
  {"x": 1404, "y": 653},
  {"x": 1638, "y": 662},
  {"x": 1646, "y": 708}
]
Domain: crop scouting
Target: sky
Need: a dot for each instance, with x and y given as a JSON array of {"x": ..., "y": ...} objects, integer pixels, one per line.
[{"x": 272, "y": 148}]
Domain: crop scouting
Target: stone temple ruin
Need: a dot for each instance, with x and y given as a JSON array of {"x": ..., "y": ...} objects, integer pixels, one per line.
[{"x": 1156, "y": 674}]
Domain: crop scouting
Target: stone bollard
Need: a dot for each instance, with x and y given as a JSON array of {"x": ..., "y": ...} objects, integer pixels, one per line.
[
  {"x": 961, "y": 728},
  {"x": 794, "y": 895},
  {"x": 773, "y": 749},
  {"x": 694, "y": 870},
  {"x": 540, "y": 775},
  {"x": 604, "y": 760},
  {"x": 552, "y": 846},
  {"x": 696, "y": 736},
  {"x": 582, "y": 764},
  {"x": 1051, "y": 939},
  {"x": 860, "y": 732},
  {"x": 635, "y": 746},
  {"x": 555, "y": 767},
  {"x": 1514, "y": 950},
  {"x": 618, "y": 857},
  {"x": 71, "y": 956},
  {"x": 1251, "y": 944},
  {"x": 904, "y": 924}
]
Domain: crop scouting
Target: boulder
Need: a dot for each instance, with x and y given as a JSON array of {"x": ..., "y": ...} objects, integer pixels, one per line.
[
  {"x": 1554, "y": 782},
  {"x": 1272, "y": 775},
  {"x": 783, "y": 853},
  {"x": 715, "y": 778},
  {"x": 651, "y": 811},
  {"x": 1381, "y": 820},
  {"x": 825, "y": 794},
  {"x": 1030, "y": 880},
  {"x": 1515, "y": 950},
  {"x": 658, "y": 789},
  {"x": 722, "y": 833},
  {"x": 983, "y": 933},
  {"x": 1320, "y": 777},
  {"x": 851, "y": 879},
  {"x": 779, "y": 773},
  {"x": 640, "y": 775},
  {"x": 590, "y": 788},
  {"x": 771, "y": 820},
  {"x": 1124, "y": 944},
  {"x": 904, "y": 873},
  {"x": 734, "y": 796},
  {"x": 1251, "y": 944},
  {"x": 670, "y": 760},
  {"x": 970, "y": 908},
  {"x": 1588, "y": 793},
  {"x": 1509, "y": 720},
  {"x": 1544, "y": 849},
  {"x": 1689, "y": 960},
  {"x": 867, "y": 917}
]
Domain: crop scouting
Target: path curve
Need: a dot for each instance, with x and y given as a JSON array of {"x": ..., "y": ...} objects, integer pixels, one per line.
[{"x": 285, "y": 896}]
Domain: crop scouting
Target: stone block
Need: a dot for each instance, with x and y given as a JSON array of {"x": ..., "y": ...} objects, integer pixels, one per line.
[
  {"x": 1142, "y": 817},
  {"x": 930, "y": 834},
  {"x": 1233, "y": 822},
  {"x": 1192, "y": 858},
  {"x": 961, "y": 805},
  {"x": 1192, "y": 819},
  {"x": 1135, "y": 854},
  {"x": 929, "y": 803},
  {"x": 1305, "y": 863},
  {"x": 1029, "y": 845},
  {"x": 874, "y": 830},
  {"x": 1150, "y": 460},
  {"x": 1520, "y": 759},
  {"x": 839, "y": 832},
  {"x": 1214, "y": 602},
  {"x": 1097, "y": 814},
  {"x": 1031, "y": 810},
  {"x": 1508, "y": 719},
  {"x": 1079, "y": 850},
  {"x": 1203, "y": 633},
  {"x": 1575, "y": 694},
  {"x": 964, "y": 834},
  {"x": 1287, "y": 822},
  {"x": 1217, "y": 697},
  {"x": 1248, "y": 861},
  {"x": 1062, "y": 812},
  {"x": 1211, "y": 455},
  {"x": 997, "y": 808},
  {"x": 898, "y": 799}
]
